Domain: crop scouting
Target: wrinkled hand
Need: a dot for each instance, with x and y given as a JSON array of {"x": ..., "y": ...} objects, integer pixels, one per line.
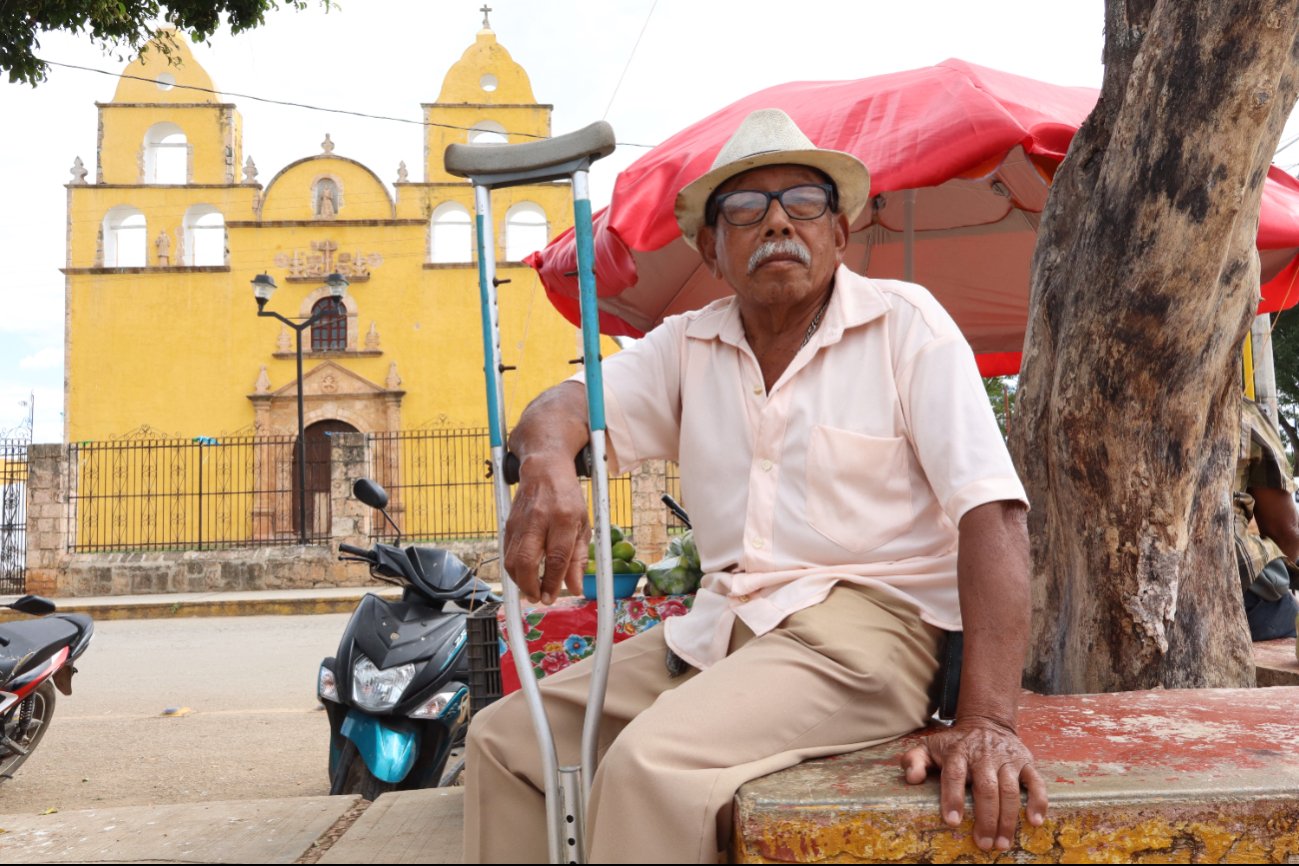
[
  {"x": 547, "y": 521},
  {"x": 991, "y": 757}
]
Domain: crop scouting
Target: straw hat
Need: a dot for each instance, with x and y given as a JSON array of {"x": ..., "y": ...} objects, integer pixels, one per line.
[{"x": 769, "y": 136}]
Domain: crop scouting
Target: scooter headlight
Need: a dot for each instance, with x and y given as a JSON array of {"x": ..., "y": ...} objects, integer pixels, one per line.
[
  {"x": 328, "y": 687},
  {"x": 379, "y": 690},
  {"x": 436, "y": 706}
]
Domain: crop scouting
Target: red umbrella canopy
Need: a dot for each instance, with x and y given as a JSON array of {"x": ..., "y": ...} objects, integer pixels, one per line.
[{"x": 961, "y": 160}]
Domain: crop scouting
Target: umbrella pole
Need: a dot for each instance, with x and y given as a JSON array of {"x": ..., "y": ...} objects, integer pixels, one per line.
[
  {"x": 909, "y": 236},
  {"x": 555, "y": 823}
]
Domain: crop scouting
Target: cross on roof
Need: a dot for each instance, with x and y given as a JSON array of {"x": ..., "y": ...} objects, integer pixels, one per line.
[{"x": 485, "y": 9}]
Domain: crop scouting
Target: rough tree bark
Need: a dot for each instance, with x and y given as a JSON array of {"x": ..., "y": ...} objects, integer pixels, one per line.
[{"x": 1145, "y": 281}]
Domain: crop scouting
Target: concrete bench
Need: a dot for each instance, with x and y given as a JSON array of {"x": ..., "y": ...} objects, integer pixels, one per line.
[
  {"x": 1275, "y": 663},
  {"x": 1202, "y": 776}
]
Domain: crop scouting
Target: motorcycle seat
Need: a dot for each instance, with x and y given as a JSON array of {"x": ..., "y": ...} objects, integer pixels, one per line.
[{"x": 27, "y": 643}]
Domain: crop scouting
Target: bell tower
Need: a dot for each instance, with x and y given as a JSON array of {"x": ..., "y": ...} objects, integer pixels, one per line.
[
  {"x": 167, "y": 125},
  {"x": 485, "y": 97}
]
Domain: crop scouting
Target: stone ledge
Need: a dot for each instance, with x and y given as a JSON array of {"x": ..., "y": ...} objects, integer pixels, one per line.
[
  {"x": 1163, "y": 776},
  {"x": 1275, "y": 663}
]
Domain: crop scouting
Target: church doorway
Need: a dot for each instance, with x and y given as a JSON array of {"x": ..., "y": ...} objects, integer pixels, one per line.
[{"x": 319, "y": 475}]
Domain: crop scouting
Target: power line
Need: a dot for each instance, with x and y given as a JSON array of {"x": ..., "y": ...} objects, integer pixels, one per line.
[
  {"x": 316, "y": 107},
  {"x": 629, "y": 59}
]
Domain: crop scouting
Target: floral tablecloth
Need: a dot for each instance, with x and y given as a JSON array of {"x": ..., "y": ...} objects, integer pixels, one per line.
[{"x": 564, "y": 632}]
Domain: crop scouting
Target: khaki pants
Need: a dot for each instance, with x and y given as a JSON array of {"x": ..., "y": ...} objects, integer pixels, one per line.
[{"x": 853, "y": 671}]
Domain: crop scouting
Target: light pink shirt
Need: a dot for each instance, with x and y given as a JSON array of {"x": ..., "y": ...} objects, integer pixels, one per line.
[{"x": 857, "y": 466}]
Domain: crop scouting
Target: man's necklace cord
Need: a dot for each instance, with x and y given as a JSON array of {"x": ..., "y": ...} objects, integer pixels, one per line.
[{"x": 816, "y": 322}]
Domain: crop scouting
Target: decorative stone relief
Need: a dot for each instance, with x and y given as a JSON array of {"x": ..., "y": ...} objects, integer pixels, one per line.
[
  {"x": 79, "y": 172},
  {"x": 393, "y": 382},
  {"x": 372, "y": 339},
  {"x": 327, "y": 146},
  {"x": 321, "y": 262},
  {"x": 180, "y": 245},
  {"x": 250, "y": 171},
  {"x": 99, "y": 247},
  {"x": 139, "y": 165},
  {"x": 163, "y": 243},
  {"x": 283, "y": 343},
  {"x": 328, "y": 384},
  {"x": 263, "y": 383},
  {"x": 402, "y": 176}
]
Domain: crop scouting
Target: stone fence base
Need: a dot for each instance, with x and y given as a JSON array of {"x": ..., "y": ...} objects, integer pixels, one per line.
[{"x": 54, "y": 570}]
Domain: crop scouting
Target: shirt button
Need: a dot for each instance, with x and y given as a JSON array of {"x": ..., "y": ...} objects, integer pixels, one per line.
[
  {"x": 757, "y": 542},
  {"x": 757, "y": 389},
  {"x": 744, "y": 599},
  {"x": 766, "y": 465}
]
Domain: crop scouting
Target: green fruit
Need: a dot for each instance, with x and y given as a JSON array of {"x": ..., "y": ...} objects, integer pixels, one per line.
[
  {"x": 590, "y": 566},
  {"x": 689, "y": 549},
  {"x": 623, "y": 550},
  {"x": 674, "y": 546},
  {"x": 621, "y": 567},
  {"x": 590, "y": 552},
  {"x": 678, "y": 580},
  {"x": 637, "y": 567},
  {"x": 615, "y": 533}
]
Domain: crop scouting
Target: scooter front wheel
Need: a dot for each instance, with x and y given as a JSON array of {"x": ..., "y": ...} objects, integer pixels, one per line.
[
  {"x": 354, "y": 777},
  {"x": 26, "y": 727}
]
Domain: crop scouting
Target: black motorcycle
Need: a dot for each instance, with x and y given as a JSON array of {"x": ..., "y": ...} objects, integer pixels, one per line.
[
  {"x": 396, "y": 693},
  {"x": 35, "y": 657}
]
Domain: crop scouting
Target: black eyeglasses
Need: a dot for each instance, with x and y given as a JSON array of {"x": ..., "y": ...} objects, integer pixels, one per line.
[{"x": 746, "y": 207}]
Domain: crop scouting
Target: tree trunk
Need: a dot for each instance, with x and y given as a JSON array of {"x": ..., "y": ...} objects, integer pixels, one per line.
[{"x": 1145, "y": 281}]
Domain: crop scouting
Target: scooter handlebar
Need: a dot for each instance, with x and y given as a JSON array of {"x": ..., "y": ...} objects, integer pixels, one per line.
[{"x": 356, "y": 551}]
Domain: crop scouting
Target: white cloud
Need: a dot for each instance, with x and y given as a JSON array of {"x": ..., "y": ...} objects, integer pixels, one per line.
[{"x": 50, "y": 356}]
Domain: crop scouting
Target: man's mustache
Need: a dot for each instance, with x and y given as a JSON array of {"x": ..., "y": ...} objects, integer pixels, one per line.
[{"x": 771, "y": 249}]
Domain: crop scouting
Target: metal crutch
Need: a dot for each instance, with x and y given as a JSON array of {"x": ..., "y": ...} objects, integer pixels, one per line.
[{"x": 491, "y": 167}]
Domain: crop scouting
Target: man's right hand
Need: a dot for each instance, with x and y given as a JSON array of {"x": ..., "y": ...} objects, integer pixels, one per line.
[{"x": 548, "y": 523}]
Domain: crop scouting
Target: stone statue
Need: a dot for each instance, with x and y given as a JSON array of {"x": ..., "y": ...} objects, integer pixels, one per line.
[
  {"x": 250, "y": 171},
  {"x": 326, "y": 203},
  {"x": 163, "y": 243},
  {"x": 263, "y": 383},
  {"x": 79, "y": 171},
  {"x": 401, "y": 171}
]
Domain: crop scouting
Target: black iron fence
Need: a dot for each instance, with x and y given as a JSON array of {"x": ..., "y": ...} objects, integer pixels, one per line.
[
  {"x": 174, "y": 494},
  {"x": 13, "y": 516},
  {"x": 673, "y": 486},
  {"x": 439, "y": 490}
]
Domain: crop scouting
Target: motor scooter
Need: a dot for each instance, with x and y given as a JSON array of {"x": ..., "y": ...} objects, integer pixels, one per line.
[
  {"x": 396, "y": 693},
  {"x": 36, "y": 656}
]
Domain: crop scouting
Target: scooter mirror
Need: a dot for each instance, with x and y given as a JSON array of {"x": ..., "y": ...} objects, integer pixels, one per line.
[
  {"x": 34, "y": 605},
  {"x": 370, "y": 493}
]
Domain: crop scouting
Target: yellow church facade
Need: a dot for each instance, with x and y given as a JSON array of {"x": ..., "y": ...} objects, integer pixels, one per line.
[{"x": 165, "y": 237}]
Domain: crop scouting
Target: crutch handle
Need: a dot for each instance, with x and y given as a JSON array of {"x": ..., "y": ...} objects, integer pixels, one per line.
[
  {"x": 485, "y": 160},
  {"x": 581, "y": 463}
]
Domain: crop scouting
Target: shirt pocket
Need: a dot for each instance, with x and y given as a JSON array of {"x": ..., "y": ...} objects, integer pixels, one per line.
[{"x": 858, "y": 488}]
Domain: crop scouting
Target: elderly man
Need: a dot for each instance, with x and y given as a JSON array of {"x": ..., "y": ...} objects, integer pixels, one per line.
[{"x": 835, "y": 442}]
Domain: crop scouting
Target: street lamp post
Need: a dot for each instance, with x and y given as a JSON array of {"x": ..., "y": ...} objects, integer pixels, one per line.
[{"x": 263, "y": 287}]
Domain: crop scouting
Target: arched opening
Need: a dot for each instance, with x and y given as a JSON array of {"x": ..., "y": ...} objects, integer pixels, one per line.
[
  {"x": 166, "y": 154},
  {"x": 125, "y": 238},
  {"x": 330, "y": 333},
  {"x": 487, "y": 132},
  {"x": 319, "y": 475},
  {"x": 526, "y": 231},
  {"x": 324, "y": 198},
  {"x": 205, "y": 236},
  {"x": 451, "y": 234}
]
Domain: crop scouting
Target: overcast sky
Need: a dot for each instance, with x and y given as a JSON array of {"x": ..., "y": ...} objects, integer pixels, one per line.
[{"x": 386, "y": 57}]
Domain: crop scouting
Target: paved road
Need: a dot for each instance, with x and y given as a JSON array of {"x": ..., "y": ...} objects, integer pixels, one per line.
[{"x": 254, "y": 731}]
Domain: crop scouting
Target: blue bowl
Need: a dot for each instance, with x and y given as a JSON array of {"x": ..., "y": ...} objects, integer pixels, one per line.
[{"x": 623, "y": 585}]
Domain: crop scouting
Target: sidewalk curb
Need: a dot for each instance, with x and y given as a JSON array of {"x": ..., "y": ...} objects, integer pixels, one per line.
[{"x": 163, "y": 609}]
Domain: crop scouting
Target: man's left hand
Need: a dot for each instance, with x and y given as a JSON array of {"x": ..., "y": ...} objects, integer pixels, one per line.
[{"x": 992, "y": 759}]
